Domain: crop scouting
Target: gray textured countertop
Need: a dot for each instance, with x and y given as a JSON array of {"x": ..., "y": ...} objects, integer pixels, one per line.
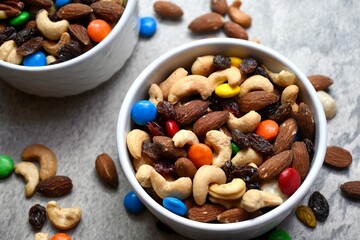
[{"x": 320, "y": 37}]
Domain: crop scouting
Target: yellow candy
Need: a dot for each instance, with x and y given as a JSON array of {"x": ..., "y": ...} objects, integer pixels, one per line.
[
  {"x": 235, "y": 61},
  {"x": 226, "y": 91}
]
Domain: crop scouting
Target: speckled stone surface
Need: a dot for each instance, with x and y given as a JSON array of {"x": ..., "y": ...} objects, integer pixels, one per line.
[{"x": 320, "y": 37}]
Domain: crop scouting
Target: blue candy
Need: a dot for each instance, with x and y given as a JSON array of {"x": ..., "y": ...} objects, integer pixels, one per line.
[
  {"x": 143, "y": 112},
  {"x": 132, "y": 203},
  {"x": 60, "y": 3},
  {"x": 36, "y": 59},
  {"x": 175, "y": 205},
  {"x": 147, "y": 26}
]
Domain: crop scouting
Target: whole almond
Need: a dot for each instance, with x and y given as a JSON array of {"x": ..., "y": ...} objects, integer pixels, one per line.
[
  {"x": 219, "y": 6},
  {"x": 210, "y": 121},
  {"x": 106, "y": 169},
  {"x": 274, "y": 165},
  {"x": 305, "y": 121},
  {"x": 286, "y": 135},
  {"x": 256, "y": 100},
  {"x": 351, "y": 189},
  {"x": 165, "y": 146},
  {"x": 239, "y": 17},
  {"x": 234, "y": 30},
  {"x": 338, "y": 157},
  {"x": 168, "y": 10},
  {"x": 236, "y": 215},
  {"x": 190, "y": 111},
  {"x": 73, "y": 11},
  {"x": 55, "y": 186},
  {"x": 39, "y": 3},
  {"x": 209, "y": 22},
  {"x": 301, "y": 159},
  {"x": 320, "y": 82},
  {"x": 107, "y": 10},
  {"x": 185, "y": 168},
  {"x": 80, "y": 33},
  {"x": 205, "y": 213}
]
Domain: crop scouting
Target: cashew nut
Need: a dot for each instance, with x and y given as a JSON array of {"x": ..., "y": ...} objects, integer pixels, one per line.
[
  {"x": 282, "y": 79},
  {"x": 155, "y": 94},
  {"x": 272, "y": 186},
  {"x": 31, "y": 176},
  {"x": 246, "y": 124},
  {"x": 203, "y": 66},
  {"x": 232, "y": 75},
  {"x": 50, "y": 59},
  {"x": 226, "y": 203},
  {"x": 228, "y": 191},
  {"x": 174, "y": 77},
  {"x": 254, "y": 199},
  {"x": 9, "y": 54},
  {"x": 204, "y": 176},
  {"x": 246, "y": 156},
  {"x": 256, "y": 82},
  {"x": 221, "y": 144},
  {"x": 134, "y": 141},
  {"x": 51, "y": 30},
  {"x": 63, "y": 218},
  {"x": 143, "y": 175},
  {"x": 45, "y": 157},
  {"x": 183, "y": 137},
  {"x": 328, "y": 103},
  {"x": 52, "y": 47},
  {"x": 239, "y": 17},
  {"x": 188, "y": 85},
  {"x": 42, "y": 236},
  {"x": 289, "y": 95}
]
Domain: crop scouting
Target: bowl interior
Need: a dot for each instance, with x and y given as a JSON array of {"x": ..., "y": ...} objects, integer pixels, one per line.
[{"x": 184, "y": 56}]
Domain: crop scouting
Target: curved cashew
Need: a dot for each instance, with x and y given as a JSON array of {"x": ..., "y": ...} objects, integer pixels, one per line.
[
  {"x": 45, "y": 157},
  {"x": 246, "y": 156},
  {"x": 203, "y": 66},
  {"x": 246, "y": 124},
  {"x": 232, "y": 75},
  {"x": 9, "y": 54},
  {"x": 328, "y": 103},
  {"x": 254, "y": 199},
  {"x": 226, "y": 203},
  {"x": 282, "y": 79},
  {"x": 188, "y": 85},
  {"x": 42, "y": 236},
  {"x": 272, "y": 186},
  {"x": 63, "y": 218},
  {"x": 183, "y": 137},
  {"x": 239, "y": 17},
  {"x": 256, "y": 82},
  {"x": 228, "y": 191},
  {"x": 289, "y": 95},
  {"x": 31, "y": 176},
  {"x": 51, "y": 30},
  {"x": 173, "y": 78},
  {"x": 221, "y": 144},
  {"x": 155, "y": 94},
  {"x": 52, "y": 47},
  {"x": 181, "y": 188},
  {"x": 203, "y": 177},
  {"x": 134, "y": 141}
]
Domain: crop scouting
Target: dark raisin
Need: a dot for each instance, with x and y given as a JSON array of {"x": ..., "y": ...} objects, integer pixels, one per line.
[
  {"x": 25, "y": 35},
  {"x": 37, "y": 216},
  {"x": 9, "y": 33},
  {"x": 215, "y": 104},
  {"x": 269, "y": 110},
  {"x": 165, "y": 168},
  {"x": 319, "y": 205},
  {"x": 260, "y": 71},
  {"x": 30, "y": 46},
  {"x": 309, "y": 147},
  {"x": 69, "y": 50},
  {"x": 248, "y": 65},
  {"x": 221, "y": 62},
  {"x": 155, "y": 129},
  {"x": 240, "y": 139},
  {"x": 166, "y": 110},
  {"x": 148, "y": 148},
  {"x": 248, "y": 174},
  {"x": 282, "y": 113},
  {"x": 259, "y": 144},
  {"x": 230, "y": 105}
]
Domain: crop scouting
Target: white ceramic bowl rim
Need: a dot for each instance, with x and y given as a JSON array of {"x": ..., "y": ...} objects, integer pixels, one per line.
[
  {"x": 129, "y": 8},
  {"x": 317, "y": 161}
]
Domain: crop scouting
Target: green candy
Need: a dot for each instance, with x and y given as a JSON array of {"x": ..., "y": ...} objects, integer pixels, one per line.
[
  {"x": 279, "y": 235},
  {"x": 235, "y": 149},
  {"x": 6, "y": 166},
  {"x": 20, "y": 19}
]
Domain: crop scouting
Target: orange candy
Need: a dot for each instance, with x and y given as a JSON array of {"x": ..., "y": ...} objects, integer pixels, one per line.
[
  {"x": 61, "y": 236},
  {"x": 200, "y": 154},
  {"x": 98, "y": 29},
  {"x": 267, "y": 129}
]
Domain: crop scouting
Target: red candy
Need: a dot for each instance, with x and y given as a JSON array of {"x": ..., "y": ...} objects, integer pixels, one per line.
[
  {"x": 289, "y": 181},
  {"x": 171, "y": 128}
]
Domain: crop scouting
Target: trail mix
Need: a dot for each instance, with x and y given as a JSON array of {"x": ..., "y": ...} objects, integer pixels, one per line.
[
  {"x": 228, "y": 137},
  {"x": 43, "y": 32}
]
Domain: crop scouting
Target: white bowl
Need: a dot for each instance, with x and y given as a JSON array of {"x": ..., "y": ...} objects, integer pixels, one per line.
[
  {"x": 84, "y": 72},
  {"x": 183, "y": 56}
]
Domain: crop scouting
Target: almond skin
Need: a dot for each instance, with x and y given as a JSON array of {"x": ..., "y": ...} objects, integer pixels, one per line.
[
  {"x": 55, "y": 186},
  {"x": 190, "y": 111},
  {"x": 107, "y": 10},
  {"x": 286, "y": 135},
  {"x": 320, "y": 82},
  {"x": 236, "y": 215},
  {"x": 305, "y": 121},
  {"x": 219, "y": 6},
  {"x": 73, "y": 11},
  {"x": 351, "y": 189},
  {"x": 206, "y": 212},
  {"x": 274, "y": 165},
  {"x": 168, "y": 10},
  {"x": 80, "y": 33},
  {"x": 209, "y": 22},
  {"x": 106, "y": 169},
  {"x": 165, "y": 146},
  {"x": 234, "y": 30},
  {"x": 338, "y": 157},
  {"x": 301, "y": 160},
  {"x": 210, "y": 121},
  {"x": 256, "y": 100},
  {"x": 185, "y": 168}
]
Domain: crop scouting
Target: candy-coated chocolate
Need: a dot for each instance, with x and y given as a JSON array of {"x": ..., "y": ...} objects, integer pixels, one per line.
[
  {"x": 20, "y": 19},
  {"x": 226, "y": 91},
  {"x": 289, "y": 181},
  {"x": 279, "y": 235},
  {"x": 143, "y": 112},
  {"x": 60, "y": 3},
  {"x": 234, "y": 149},
  {"x": 98, "y": 29},
  {"x": 36, "y": 59},
  {"x": 175, "y": 205},
  {"x": 147, "y": 26},
  {"x": 6, "y": 166},
  {"x": 171, "y": 128},
  {"x": 132, "y": 203}
]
